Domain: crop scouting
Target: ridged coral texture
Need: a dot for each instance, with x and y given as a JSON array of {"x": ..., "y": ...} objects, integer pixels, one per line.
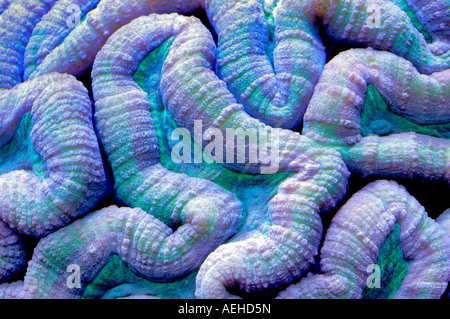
[{"x": 224, "y": 149}]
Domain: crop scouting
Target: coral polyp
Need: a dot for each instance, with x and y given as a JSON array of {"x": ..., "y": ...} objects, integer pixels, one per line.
[
  {"x": 380, "y": 210},
  {"x": 224, "y": 149}
]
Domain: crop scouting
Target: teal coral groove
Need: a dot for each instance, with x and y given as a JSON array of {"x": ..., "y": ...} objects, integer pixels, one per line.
[
  {"x": 19, "y": 152},
  {"x": 378, "y": 119},
  {"x": 393, "y": 265},
  {"x": 215, "y": 228}
]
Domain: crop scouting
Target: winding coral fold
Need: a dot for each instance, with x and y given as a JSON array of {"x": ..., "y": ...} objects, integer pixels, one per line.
[
  {"x": 293, "y": 226},
  {"x": 145, "y": 244},
  {"x": 247, "y": 221},
  {"x": 355, "y": 235},
  {"x": 208, "y": 214},
  {"x": 270, "y": 53},
  {"x": 280, "y": 52},
  {"x": 13, "y": 254},
  {"x": 420, "y": 98},
  {"x": 76, "y": 51},
  {"x": 36, "y": 202}
]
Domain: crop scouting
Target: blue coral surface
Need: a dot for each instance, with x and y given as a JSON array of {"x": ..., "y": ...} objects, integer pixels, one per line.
[{"x": 213, "y": 149}]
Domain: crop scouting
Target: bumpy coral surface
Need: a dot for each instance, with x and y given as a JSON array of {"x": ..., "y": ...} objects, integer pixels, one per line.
[{"x": 223, "y": 149}]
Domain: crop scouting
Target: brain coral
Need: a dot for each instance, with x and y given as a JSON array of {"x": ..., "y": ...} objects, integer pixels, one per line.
[
  {"x": 51, "y": 166},
  {"x": 223, "y": 149}
]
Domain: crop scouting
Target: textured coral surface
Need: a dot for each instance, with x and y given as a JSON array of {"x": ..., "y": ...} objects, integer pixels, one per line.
[{"x": 224, "y": 149}]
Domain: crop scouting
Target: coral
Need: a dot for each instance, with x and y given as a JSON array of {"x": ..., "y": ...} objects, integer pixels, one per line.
[
  {"x": 16, "y": 22},
  {"x": 55, "y": 173},
  {"x": 147, "y": 246},
  {"x": 333, "y": 115},
  {"x": 444, "y": 220},
  {"x": 208, "y": 161},
  {"x": 354, "y": 242},
  {"x": 55, "y": 42},
  {"x": 13, "y": 250},
  {"x": 51, "y": 167},
  {"x": 319, "y": 170},
  {"x": 64, "y": 51},
  {"x": 432, "y": 19},
  {"x": 281, "y": 54}
]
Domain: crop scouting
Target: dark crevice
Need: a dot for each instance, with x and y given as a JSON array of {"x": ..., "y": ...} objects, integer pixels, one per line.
[
  {"x": 332, "y": 46},
  {"x": 201, "y": 14},
  {"x": 266, "y": 294}
]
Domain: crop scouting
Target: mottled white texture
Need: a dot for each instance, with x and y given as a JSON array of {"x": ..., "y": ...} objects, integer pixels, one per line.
[
  {"x": 4, "y": 4},
  {"x": 293, "y": 231},
  {"x": 434, "y": 15},
  {"x": 16, "y": 23},
  {"x": 357, "y": 232},
  {"x": 147, "y": 246},
  {"x": 333, "y": 114},
  {"x": 13, "y": 255},
  {"x": 270, "y": 55},
  {"x": 62, "y": 134},
  {"x": 77, "y": 51},
  {"x": 12, "y": 290},
  {"x": 444, "y": 221},
  {"x": 208, "y": 214},
  {"x": 52, "y": 29}
]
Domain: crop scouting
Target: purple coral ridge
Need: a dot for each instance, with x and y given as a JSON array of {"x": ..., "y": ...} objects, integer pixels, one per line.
[{"x": 224, "y": 149}]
